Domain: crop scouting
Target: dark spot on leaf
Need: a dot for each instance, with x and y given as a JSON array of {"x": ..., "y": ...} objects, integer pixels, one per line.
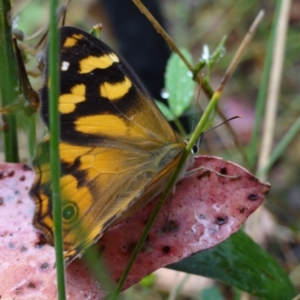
[
  {"x": 11, "y": 245},
  {"x": 202, "y": 216},
  {"x": 221, "y": 220},
  {"x": 204, "y": 174},
  {"x": 1, "y": 174},
  {"x": 223, "y": 171},
  {"x": 10, "y": 173},
  {"x": 132, "y": 246},
  {"x": 44, "y": 266},
  {"x": 170, "y": 226},
  {"x": 22, "y": 178},
  {"x": 252, "y": 197},
  {"x": 26, "y": 168},
  {"x": 242, "y": 210},
  {"x": 23, "y": 249},
  {"x": 166, "y": 249},
  {"x": 31, "y": 285},
  {"x": 1, "y": 201}
]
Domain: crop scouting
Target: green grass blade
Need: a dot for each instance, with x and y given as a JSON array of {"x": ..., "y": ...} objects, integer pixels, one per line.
[
  {"x": 8, "y": 82},
  {"x": 54, "y": 146},
  {"x": 98, "y": 268},
  {"x": 253, "y": 146},
  {"x": 32, "y": 136},
  {"x": 281, "y": 146}
]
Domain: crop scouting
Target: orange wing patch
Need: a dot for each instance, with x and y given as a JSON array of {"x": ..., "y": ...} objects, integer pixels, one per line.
[
  {"x": 67, "y": 102},
  {"x": 115, "y": 91},
  {"x": 91, "y": 63},
  {"x": 72, "y": 41}
]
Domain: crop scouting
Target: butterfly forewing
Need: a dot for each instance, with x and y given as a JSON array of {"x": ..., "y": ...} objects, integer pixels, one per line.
[
  {"x": 100, "y": 92},
  {"x": 115, "y": 144}
]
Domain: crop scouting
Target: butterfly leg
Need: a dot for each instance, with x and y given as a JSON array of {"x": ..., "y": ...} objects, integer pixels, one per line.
[{"x": 190, "y": 172}]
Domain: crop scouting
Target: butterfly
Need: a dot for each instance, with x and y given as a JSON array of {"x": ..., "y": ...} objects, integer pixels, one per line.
[{"x": 117, "y": 150}]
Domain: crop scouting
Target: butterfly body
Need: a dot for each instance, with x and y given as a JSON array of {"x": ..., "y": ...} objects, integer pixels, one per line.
[{"x": 117, "y": 150}]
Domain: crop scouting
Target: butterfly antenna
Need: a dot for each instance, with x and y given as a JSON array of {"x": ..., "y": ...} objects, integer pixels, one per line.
[
  {"x": 199, "y": 141},
  {"x": 62, "y": 13},
  {"x": 213, "y": 128},
  {"x": 197, "y": 102}
]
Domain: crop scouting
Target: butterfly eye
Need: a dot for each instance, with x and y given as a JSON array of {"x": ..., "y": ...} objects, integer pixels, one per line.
[
  {"x": 195, "y": 149},
  {"x": 70, "y": 211}
]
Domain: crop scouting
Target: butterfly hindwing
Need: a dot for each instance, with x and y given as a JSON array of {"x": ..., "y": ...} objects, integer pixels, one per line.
[{"x": 115, "y": 149}]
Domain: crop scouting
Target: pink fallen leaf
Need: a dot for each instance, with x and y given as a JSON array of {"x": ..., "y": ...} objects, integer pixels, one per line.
[{"x": 205, "y": 210}]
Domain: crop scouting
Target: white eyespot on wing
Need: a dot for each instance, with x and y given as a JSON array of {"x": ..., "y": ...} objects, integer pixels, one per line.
[
  {"x": 113, "y": 57},
  {"x": 65, "y": 66}
]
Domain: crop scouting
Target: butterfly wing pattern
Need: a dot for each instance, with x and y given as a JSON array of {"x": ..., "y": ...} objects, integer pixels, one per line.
[{"x": 117, "y": 150}]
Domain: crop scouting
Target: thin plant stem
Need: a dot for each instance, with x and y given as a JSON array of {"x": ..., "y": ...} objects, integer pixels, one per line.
[
  {"x": 162, "y": 32},
  {"x": 248, "y": 37},
  {"x": 280, "y": 148},
  {"x": 274, "y": 85},
  {"x": 8, "y": 82},
  {"x": 260, "y": 103},
  {"x": 32, "y": 136},
  {"x": 297, "y": 297},
  {"x": 179, "y": 126},
  {"x": 54, "y": 146}
]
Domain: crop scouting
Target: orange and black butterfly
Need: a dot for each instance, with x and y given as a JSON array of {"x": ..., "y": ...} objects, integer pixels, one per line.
[{"x": 117, "y": 150}]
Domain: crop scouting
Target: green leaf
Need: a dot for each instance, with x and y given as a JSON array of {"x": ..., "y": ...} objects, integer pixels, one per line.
[
  {"x": 148, "y": 281},
  {"x": 165, "y": 110},
  {"x": 179, "y": 83},
  {"x": 241, "y": 263},
  {"x": 211, "y": 293}
]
